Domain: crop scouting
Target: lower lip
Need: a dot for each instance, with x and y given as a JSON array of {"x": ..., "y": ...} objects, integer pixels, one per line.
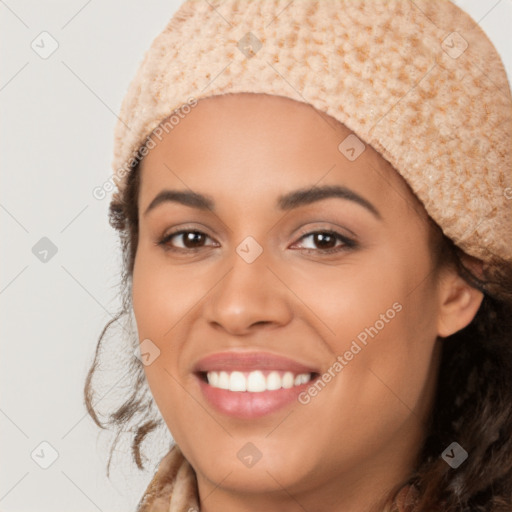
[{"x": 247, "y": 405}]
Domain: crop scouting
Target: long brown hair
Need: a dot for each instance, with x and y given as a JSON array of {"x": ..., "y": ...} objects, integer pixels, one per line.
[{"x": 473, "y": 403}]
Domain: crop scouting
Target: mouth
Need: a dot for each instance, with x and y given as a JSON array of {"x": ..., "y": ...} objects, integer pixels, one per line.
[{"x": 251, "y": 385}]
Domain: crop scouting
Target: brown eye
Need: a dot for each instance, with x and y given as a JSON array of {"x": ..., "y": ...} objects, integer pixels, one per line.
[
  {"x": 325, "y": 242},
  {"x": 187, "y": 239},
  {"x": 192, "y": 239}
]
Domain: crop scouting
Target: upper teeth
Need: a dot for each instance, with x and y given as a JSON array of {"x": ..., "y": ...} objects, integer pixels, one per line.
[{"x": 256, "y": 381}]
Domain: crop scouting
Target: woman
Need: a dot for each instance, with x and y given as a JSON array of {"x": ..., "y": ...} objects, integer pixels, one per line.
[{"x": 314, "y": 205}]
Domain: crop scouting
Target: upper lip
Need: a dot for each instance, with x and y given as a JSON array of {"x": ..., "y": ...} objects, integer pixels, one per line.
[{"x": 249, "y": 361}]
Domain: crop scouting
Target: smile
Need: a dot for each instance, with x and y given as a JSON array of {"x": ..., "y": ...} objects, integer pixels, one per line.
[
  {"x": 256, "y": 381},
  {"x": 250, "y": 385}
]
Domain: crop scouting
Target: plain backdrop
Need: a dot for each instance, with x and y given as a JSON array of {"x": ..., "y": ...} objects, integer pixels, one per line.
[{"x": 60, "y": 259}]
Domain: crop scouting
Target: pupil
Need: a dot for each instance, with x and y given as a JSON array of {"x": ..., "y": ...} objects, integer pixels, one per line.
[
  {"x": 192, "y": 238},
  {"x": 321, "y": 237}
]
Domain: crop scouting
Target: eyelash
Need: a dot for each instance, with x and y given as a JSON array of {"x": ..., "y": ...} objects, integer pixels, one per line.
[{"x": 347, "y": 243}]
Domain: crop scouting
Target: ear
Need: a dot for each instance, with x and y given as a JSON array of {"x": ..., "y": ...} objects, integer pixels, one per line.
[{"x": 458, "y": 301}]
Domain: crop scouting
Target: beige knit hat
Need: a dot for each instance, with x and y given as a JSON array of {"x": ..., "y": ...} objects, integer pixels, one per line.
[{"x": 416, "y": 79}]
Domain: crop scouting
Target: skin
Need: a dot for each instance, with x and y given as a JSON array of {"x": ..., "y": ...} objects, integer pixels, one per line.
[{"x": 360, "y": 436}]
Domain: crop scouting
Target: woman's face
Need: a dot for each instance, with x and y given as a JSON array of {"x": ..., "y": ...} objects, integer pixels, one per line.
[{"x": 302, "y": 258}]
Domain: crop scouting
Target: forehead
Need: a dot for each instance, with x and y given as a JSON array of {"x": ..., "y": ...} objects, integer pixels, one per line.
[{"x": 262, "y": 146}]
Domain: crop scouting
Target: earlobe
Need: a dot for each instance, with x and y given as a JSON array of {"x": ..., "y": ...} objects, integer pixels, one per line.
[{"x": 459, "y": 303}]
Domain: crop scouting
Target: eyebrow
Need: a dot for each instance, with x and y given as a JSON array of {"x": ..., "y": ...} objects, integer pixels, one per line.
[{"x": 289, "y": 201}]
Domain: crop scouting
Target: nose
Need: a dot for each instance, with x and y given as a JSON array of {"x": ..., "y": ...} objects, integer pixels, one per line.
[{"x": 247, "y": 298}]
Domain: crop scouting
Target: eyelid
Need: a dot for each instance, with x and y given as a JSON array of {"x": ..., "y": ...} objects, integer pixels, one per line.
[
  {"x": 197, "y": 226},
  {"x": 324, "y": 227}
]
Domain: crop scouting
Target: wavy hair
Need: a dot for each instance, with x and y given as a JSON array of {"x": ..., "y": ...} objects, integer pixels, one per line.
[{"x": 472, "y": 406}]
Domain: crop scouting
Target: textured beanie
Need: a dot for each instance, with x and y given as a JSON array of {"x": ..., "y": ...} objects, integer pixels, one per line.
[{"x": 418, "y": 80}]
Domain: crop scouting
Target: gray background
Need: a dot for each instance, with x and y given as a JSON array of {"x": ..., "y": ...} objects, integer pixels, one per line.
[{"x": 57, "y": 120}]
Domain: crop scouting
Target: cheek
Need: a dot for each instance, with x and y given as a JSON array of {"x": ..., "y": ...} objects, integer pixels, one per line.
[
  {"x": 350, "y": 297},
  {"x": 165, "y": 297},
  {"x": 382, "y": 351},
  {"x": 159, "y": 299},
  {"x": 379, "y": 316},
  {"x": 162, "y": 294}
]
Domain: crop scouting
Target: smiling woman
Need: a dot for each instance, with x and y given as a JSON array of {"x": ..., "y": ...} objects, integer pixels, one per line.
[{"x": 322, "y": 295}]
